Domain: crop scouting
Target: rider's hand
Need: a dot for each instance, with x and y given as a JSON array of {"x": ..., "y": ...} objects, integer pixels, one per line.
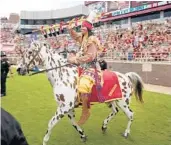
[
  {"x": 69, "y": 27},
  {"x": 72, "y": 59}
]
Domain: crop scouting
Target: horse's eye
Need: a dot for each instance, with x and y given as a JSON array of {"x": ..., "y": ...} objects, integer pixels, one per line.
[{"x": 30, "y": 52}]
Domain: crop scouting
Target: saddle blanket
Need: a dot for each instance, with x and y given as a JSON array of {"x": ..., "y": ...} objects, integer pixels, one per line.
[{"x": 110, "y": 89}]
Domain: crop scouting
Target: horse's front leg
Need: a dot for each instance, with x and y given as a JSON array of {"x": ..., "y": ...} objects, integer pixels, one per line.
[
  {"x": 54, "y": 120},
  {"x": 71, "y": 116}
]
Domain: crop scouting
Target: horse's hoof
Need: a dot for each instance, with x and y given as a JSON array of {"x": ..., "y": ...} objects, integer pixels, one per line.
[
  {"x": 84, "y": 139},
  {"x": 125, "y": 135},
  {"x": 104, "y": 129}
]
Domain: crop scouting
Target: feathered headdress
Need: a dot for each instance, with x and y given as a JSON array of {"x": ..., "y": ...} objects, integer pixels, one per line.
[{"x": 88, "y": 23}]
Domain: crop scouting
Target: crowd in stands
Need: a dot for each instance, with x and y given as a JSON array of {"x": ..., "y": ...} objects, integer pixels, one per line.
[
  {"x": 6, "y": 36},
  {"x": 150, "y": 39}
]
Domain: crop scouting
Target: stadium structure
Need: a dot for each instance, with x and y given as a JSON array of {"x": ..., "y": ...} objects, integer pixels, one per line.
[{"x": 123, "y": 13}]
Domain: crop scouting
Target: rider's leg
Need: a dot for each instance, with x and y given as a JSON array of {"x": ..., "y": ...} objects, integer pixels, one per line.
[
  {"x": 85, "y": 109},
  {"x": 84, "y": 87}
]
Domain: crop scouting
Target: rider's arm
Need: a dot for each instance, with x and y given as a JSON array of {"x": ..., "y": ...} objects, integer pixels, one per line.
[
  {"x": 76, "y": 36},
  {"x": 90, "y": 55}
]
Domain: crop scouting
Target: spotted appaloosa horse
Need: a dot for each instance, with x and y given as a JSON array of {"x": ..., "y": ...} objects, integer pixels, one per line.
[{"x": 64, "y": 83}]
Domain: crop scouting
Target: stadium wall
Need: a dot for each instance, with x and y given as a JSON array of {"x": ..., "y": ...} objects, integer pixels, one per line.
[{"x": 152, "y": 73}]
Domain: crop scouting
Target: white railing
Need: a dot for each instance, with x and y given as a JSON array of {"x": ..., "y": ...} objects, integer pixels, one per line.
[{"x": 138, "y": 57}]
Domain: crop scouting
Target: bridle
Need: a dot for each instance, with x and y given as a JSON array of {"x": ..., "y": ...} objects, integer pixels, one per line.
[{"x": 46, "y": 70}]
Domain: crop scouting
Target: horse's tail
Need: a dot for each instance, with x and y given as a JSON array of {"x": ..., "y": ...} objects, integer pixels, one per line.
[{"x": 138, "y": 85}]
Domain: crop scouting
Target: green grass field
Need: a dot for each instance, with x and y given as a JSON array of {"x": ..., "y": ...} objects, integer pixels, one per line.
[{"x": 30, "y": 100}]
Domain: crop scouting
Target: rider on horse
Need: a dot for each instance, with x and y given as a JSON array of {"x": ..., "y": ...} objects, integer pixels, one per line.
[{"x": 87, "y": 58}]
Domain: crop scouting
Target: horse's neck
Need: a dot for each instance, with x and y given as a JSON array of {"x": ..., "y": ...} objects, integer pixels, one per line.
[{"x": 54, "y": 60}]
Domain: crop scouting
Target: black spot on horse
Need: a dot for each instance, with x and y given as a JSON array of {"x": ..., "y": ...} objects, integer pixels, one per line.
[
  {"x": 75, "y": 82},
  {"x": 69, "y": 116},
  {"x": 127, "y": 101},
  {"x": 124, "y": 83},
  {"x": 125, "y": 106},
  {"x": 53, "y": 60},
  {"x": 65, "y": 83},
  {"x": 61, "y": 115},
  {"x": 129, "y": 85},
  {"x": 70, "y": 104},
  {"x": 123, "y": 90},
  {"x": 57, "y": 97},
  {"x": 51, "y": 64},
  {"x": 110, "y": 105},
  {"x": 130, "y": 109},
  {"x": 117, "y": 109},
  {"x": 62, "y": 98},
  {"x": 63, "y": 105},
  {"x": 75, "y": 127},
  {"x": 67, "y": 74},
  {"x": 74, "y": 71},
  {"x": 81, "y": 132}
]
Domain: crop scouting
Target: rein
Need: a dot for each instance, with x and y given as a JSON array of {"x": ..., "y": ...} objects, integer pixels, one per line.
[{"x": 46, "y": 70}]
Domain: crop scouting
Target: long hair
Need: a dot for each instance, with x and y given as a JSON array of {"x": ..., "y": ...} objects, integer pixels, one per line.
[{"x": 90, "y": 33}]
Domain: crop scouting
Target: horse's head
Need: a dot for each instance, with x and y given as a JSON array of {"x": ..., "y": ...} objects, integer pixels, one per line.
[{"x": 31, "y": 57}]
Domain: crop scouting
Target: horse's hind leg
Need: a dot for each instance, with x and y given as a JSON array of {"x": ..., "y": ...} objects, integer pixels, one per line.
[
  {"x": 71, "y": 116},
  {"x": 54, "y": 120},
  {"x": 123, "y": 105},
  {"x": 109, "y": 118}
]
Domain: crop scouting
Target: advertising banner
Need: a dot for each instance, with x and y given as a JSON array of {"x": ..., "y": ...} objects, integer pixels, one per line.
[
  {"x": 138, "y": 8},
  {"x": 140, "y": 3},
  {"x": 117, "y": 5},
  {"x": 99, "y": 6}
]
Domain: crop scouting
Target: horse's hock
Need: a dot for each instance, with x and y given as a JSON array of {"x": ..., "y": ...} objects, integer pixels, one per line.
[{"x": 151, "y": 73}]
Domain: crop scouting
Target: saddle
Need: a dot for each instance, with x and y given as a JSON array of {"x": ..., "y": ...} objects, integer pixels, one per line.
[{"x": 106, "y": 89}]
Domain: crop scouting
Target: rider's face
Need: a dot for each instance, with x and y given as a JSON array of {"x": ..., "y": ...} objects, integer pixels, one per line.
[{"x": 84, "y": 30}]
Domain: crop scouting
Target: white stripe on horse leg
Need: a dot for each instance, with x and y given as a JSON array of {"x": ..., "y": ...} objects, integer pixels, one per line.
[
  {"x": 71, "y": 116},
  {"x": 109, "y": 118},
  {"x": 54, "y": 120},
  {"x": 129, "y": 113}
]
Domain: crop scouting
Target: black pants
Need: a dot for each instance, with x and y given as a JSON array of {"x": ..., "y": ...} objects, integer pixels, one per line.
[{"x": 3, "y": 82}]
